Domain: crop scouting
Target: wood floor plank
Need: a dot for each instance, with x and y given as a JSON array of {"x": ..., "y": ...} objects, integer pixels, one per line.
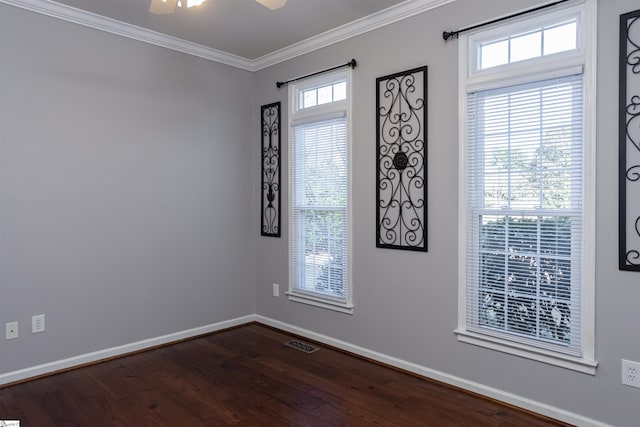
[{"x": 248, "y": 377}]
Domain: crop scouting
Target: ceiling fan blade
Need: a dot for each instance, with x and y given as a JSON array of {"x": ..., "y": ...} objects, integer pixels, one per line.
[
  {"x": 272, "y": 4},
  {"x": 162, "y": 7}
]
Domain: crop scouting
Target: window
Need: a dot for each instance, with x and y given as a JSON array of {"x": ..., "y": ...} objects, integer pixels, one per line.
[
  {"x": 319, "y": 194},
  {"x": 545, "y": 40},
  {"x": 526, "y": 278},
  {"x": 323, "y": 95}
]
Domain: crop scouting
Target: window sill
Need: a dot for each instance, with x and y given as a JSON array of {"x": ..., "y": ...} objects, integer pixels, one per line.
[
  {"x": 579, "y": 364},
  {"x": 342, "y": 307}
]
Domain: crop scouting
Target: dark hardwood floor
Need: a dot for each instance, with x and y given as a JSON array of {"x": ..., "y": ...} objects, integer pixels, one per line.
[{"x": 247, "y": 377}]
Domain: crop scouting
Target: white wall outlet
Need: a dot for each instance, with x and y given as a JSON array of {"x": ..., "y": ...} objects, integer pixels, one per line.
[
  {"x": 37, "y": 323},
  {"x": 276, "y": 290},
  {"x": 631, "y": 373},
  {"x": 11, "y": 330}
]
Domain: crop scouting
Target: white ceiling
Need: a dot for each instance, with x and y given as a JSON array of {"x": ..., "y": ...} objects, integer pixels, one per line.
[
  {"x": 240, "y": 27},
  {"x": 241, "y": 33}
]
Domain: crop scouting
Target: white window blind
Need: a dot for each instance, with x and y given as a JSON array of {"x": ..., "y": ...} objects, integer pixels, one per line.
[
  {"x": 319, "y": 209},
  {"x": 525, "y": 213}
]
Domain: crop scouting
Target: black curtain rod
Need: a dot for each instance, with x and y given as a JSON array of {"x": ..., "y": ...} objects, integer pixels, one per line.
[
  {"x": 351, "y": 64},
  {"x": 448, "y": 34}
]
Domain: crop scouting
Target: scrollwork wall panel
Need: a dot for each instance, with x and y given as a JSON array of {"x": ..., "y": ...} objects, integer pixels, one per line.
[
  {"x": 270, "y": 205},
  {"x": 401, "y": 166},
  {"x": 629, "y": 139}
]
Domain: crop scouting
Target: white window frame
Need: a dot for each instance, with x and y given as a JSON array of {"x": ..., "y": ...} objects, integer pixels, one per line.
[
  {"x": 535, "y": 69},
  {"x": 297, "y": 116}
]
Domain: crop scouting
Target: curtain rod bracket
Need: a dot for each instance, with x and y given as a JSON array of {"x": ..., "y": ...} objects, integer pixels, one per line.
[{"x": 448, "y": 34}]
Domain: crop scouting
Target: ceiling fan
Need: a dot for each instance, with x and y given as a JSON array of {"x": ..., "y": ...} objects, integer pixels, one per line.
[{"x": 165, "y": 7}]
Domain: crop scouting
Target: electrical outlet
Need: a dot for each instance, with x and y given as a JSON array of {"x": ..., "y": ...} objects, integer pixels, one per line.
[
  {"x": 11, "y": 330},
  {"x": 37, "y": 323},
  {"x": 276, "y": 290},
  {"x": 631, "y": 373}
]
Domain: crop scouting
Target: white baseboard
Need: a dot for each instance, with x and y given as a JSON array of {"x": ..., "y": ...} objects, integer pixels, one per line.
[
  {"x": 96, "y": 356},
  {"x": 503, "y": 396}
]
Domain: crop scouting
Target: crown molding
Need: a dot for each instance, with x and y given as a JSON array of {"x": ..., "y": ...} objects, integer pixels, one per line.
[
  {"x": 404, "y": 10},
  {"x": 387, "y": 16},
  {"x": 113, "y": 26}
]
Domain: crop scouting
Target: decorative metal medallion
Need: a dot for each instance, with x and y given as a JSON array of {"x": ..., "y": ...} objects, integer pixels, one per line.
[
  {"x": 270, "y": 118},
  {"x": 629, "y": 140},
  {"x": 401, "y": 164}
]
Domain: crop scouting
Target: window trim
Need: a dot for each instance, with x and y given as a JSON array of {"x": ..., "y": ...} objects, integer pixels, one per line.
[
  {"x": 586, "y": 363},
  {"x": 516, "y": 27},
  {"x": 298, "y": 116},
  {"x": 518, "y": 72}
]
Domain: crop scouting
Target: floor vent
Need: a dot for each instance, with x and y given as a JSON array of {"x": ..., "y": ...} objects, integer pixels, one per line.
[{"x": 304, "y": 347}]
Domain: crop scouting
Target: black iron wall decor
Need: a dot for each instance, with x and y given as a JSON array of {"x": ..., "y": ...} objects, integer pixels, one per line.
[
  {"x": 270, "y": 131},
  {"x": 629, "y": 142},
  {"x": 401, "y": 164}
]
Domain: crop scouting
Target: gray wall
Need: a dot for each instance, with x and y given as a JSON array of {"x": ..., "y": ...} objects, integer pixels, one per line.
[
  {"x": 124, "y": 197},
  {"x": 126, "y": 210},
  {"x": 406, "y": 303}
]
